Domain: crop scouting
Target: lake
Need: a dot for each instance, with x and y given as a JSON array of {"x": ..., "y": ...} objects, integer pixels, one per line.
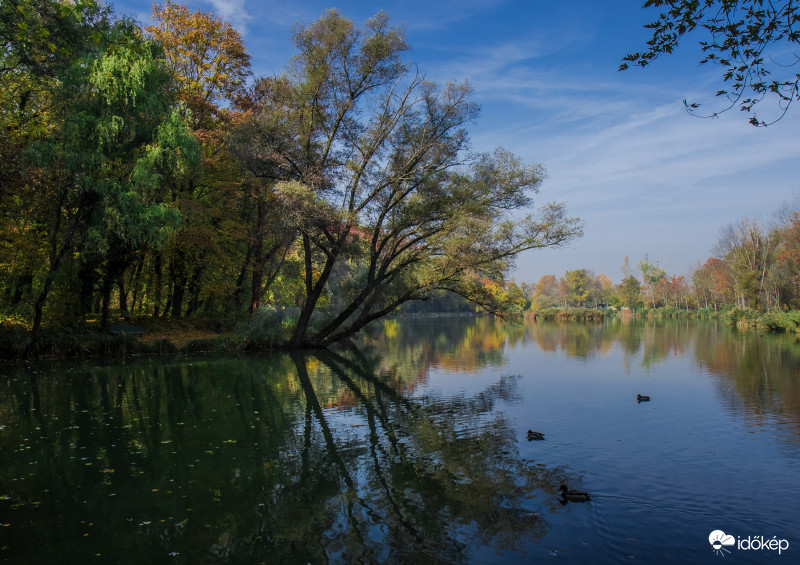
[{"x": 412, "y": 448}]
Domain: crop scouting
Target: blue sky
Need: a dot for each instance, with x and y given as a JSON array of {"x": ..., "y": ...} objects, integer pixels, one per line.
[{"x": 619, "y": 148}]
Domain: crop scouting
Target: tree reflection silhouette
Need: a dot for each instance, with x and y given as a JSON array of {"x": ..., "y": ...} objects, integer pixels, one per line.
[
  {"x": 255, "y": 459},
  {"x": 432, "y": 490}
]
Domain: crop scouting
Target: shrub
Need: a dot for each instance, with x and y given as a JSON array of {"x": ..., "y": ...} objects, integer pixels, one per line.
[
  {"x": 571, "y": 314},
  {"x": 740, "y": 317},
  {"x": 708, "y": 313},
  {"x": 213, "y": 345},
  {"x": 781, "y": 321},
  {"x": 271, "y": 327},
  {"x": 163, "y": 346}
]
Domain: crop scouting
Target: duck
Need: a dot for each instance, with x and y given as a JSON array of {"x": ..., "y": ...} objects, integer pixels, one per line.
[
  {"x": 574, "y": 495},
  {"x": 642, "y": 398},
  {"x": 531, "y": 435}
]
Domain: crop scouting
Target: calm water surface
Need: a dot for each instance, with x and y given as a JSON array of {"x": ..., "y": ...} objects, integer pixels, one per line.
[{"x": 412, "y": 449}]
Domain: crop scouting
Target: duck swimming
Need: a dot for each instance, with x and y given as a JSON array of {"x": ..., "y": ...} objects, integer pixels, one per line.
[
  {"x": 531, "y": 435},
  {"x": 574, "y": 495},
  {"x": 642, "y": 398}
]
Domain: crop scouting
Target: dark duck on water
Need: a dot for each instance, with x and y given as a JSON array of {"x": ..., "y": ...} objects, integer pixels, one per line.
[{"x": 573, "y": 495}]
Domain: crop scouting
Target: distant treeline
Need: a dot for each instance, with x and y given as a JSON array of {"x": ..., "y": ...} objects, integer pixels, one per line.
[
  {"x": 752, "y": 279},
  {"x": 754, "y": 268}
]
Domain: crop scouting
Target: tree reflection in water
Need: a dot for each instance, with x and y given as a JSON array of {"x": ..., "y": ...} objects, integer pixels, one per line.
[
  {"x": 278, "y": 458},
  {"x": 757, "y": 372},
  {"x": 419, "y": 485},
  {"x": 334, "y": 456}
]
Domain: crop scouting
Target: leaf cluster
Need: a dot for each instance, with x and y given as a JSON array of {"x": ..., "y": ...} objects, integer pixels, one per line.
[{"x": 755, "y": 42}]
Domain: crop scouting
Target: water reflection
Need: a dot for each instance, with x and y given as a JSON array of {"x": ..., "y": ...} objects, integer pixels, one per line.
[
  {"x": 761, "y": 373},
  {"x": 343, "y": 455},
  {"x": 654, "y": 341},
  {"x": 290, "y": 458}
]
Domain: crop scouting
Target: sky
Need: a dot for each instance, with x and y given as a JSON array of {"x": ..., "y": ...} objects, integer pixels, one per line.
[{"x": 619, "y": 148}]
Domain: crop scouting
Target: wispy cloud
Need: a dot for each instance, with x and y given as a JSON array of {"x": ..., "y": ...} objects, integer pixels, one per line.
[
  {"x": 623, "y": 153},
  {"x": 232, "y": 11},
  {"x": 431, "y": 16}
]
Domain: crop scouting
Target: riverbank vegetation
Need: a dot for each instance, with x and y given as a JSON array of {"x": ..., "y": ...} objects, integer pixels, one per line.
[
  {"x": 147, "y": 178},
  {"x": 753, "y": 279}
]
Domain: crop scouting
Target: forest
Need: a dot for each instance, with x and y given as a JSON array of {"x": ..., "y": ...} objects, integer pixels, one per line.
[
  {"x": 149, "y": 181},
  {"x": 146, "y": 177}
]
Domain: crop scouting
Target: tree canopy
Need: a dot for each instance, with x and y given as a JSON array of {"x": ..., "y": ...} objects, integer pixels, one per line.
[
  {"x": 756, "y": 43},
  {"x": 142, "y": 176},
  {"x": 371, "y": 162}
]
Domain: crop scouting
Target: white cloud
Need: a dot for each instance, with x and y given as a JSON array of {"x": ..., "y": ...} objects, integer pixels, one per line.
[
  {"x": 430, "y": 16},
  {"x": 622, "y": 152},
  {"x": 232, "y": 11}
]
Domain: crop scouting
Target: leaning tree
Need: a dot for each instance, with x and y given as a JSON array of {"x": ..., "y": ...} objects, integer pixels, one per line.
[{"x": 370, "y": 164}]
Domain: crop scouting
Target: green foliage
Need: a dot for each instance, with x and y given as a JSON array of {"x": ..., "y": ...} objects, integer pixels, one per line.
[
  {"x": 707, "y": 313},
  {"x": 163, "y": 346},
  {"x": 669, "y": 312},
  {"x": 60, "y": 344},
  {"x": 740, "y": 317},
  {"x": 571, "y": 314},
  {"x": 344, "y": 186},
  {"x": 630, "y": 292},
  {"x": 578, "y": 286},
  {"x": 213, "y": 345},
  {"x": 94, "y": 177},
  {"x": 781, "y": 321},
  {"x": 269, "y": 328},
  {"x": 368, "y": 163}
]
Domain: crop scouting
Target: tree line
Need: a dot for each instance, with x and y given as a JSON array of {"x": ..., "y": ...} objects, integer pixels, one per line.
[
  {"x": 146, "y": 174},
  {"x": 755, "y": 266}
]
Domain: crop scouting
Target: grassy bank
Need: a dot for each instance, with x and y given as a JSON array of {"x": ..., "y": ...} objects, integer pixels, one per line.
[
  {"x": 570, "y": 314},
  {"x": 61, "y": 344},
  {"x": 778, "y": 321},
  {"x": 270, "y": 329}
]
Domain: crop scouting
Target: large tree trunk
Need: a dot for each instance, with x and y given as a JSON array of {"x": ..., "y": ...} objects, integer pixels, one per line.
[
  {"x": 313, "y": 292},
  {"x": 239, "y": 291},
  {"x": 135, "y": 282},
  {"x": 107, "y": 287},
  {"x": 259, "y": 259},
  {"x": 123, "y": 299},
  {"x": 158, "y": 284},
  {"x": 178, "y": 276},
  {"x": 194, "y": 289},
  {"x": 39, "y": 306}
]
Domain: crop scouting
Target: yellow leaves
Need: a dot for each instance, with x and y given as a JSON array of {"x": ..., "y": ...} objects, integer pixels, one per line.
[{"x": 207, "y": 55}]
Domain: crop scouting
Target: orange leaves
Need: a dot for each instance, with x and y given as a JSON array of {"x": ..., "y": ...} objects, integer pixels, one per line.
[
  {"x": 789, "y": 251},
  {"x": 206, "y": 55}
]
